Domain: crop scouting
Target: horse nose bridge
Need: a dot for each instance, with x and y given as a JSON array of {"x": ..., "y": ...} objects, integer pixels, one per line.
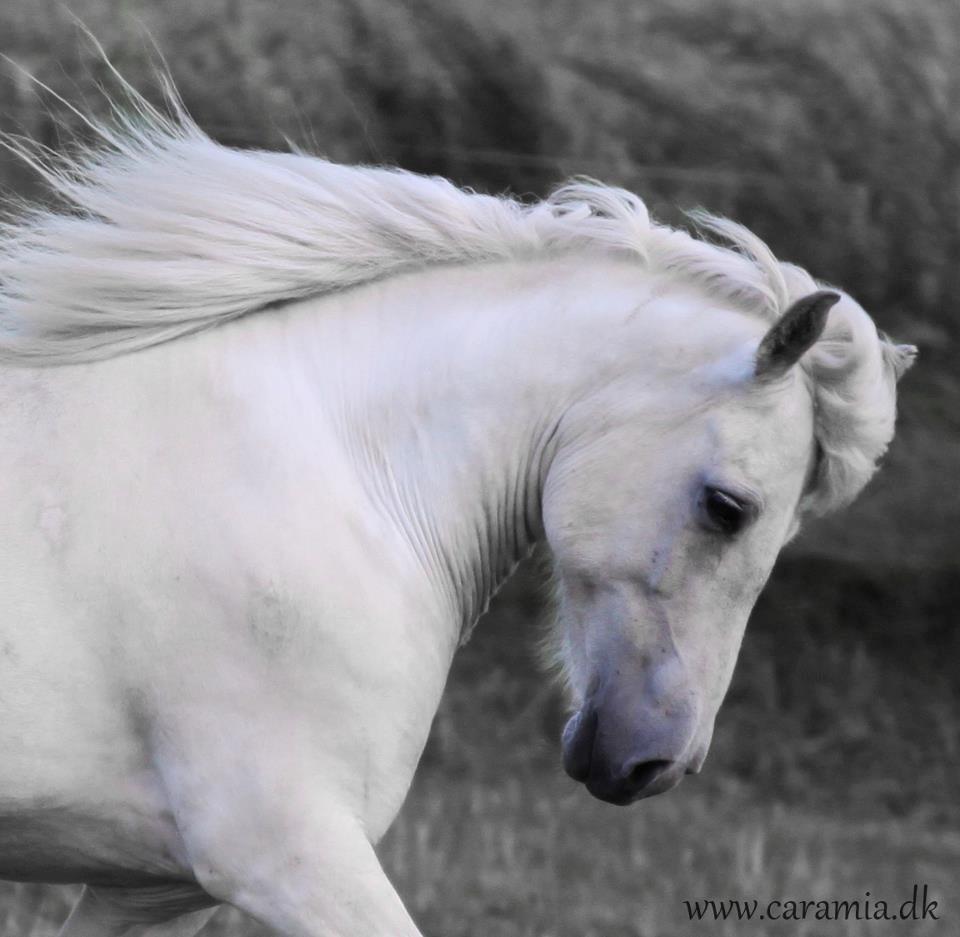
[
  {"x": 654, "y": 678},
  {"x": 653, "y": 653},
  {"x": 649, "y": 705},
  {"x": 670, "y": 685}
]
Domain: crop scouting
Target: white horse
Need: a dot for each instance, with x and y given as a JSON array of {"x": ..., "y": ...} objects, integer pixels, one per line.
[{"x": 274, "y": 430}]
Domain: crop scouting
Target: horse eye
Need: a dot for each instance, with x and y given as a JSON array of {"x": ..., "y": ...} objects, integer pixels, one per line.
[{"x": 723, "y": 512}]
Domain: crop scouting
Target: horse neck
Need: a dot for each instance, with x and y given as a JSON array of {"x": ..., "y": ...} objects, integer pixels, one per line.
[{"x": 447, "y": 388}]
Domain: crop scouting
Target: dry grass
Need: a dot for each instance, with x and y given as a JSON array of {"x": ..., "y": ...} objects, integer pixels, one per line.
[{"x": 533, "y": 856}]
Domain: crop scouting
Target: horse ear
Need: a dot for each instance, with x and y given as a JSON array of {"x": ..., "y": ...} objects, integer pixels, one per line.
[
  {"x": 901, "y": 358},
  {"x": 793, "y": 334}
]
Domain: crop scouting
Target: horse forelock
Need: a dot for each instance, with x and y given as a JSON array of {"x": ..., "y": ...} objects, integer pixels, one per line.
[{"x": 853, "y": 372}]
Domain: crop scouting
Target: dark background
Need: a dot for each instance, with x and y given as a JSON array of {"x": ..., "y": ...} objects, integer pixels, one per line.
[{"x": 832, "y": 129}]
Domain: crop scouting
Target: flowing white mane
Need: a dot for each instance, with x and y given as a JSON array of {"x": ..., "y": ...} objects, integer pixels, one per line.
[{"x": 166, "y": 232}]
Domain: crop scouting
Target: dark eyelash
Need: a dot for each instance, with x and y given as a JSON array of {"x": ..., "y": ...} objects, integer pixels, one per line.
[{"x": 725, "y": 512}]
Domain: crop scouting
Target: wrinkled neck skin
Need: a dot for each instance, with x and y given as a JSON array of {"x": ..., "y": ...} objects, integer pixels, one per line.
[
  {"x": 451, "y": 446},
  {"x": 448, "y": 389}
]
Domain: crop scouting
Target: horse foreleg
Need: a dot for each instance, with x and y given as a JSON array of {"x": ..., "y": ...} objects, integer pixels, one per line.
[
  {"x": 312, "y": 876},
  {"x": 165, "y": 911}
]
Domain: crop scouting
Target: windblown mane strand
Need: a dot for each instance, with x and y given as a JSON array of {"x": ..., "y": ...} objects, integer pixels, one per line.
[{"x": 165, "y": 232}]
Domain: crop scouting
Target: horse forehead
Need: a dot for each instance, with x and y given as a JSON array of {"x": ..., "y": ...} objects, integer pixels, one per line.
[{"x": 770, "y": 435}]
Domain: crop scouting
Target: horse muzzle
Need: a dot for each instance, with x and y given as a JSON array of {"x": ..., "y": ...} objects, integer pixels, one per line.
[{"x": 622, "y": 759}]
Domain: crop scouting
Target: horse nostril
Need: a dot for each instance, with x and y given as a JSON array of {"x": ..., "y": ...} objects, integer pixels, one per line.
[
  {"x": 642, "y": 775},
  {"x": 579, "y": 736}
]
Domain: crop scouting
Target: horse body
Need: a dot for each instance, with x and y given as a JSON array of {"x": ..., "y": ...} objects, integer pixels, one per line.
[
  {"x": 153, "y": 461},
  {"x": 237, "y": 566}
]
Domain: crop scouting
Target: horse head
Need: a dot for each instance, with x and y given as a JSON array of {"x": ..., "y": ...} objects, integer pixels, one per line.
[{"x": 666, "y": 506}]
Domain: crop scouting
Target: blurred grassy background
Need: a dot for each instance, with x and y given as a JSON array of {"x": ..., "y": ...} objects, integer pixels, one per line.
[{"x": 832, "y": 128}]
